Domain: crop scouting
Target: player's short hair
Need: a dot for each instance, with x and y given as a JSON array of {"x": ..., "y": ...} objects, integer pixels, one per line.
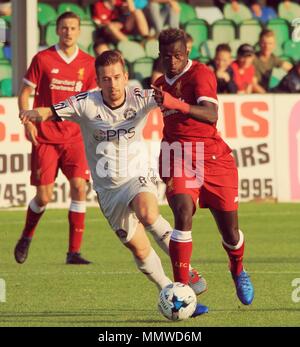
[
  {"x": 67, "y": 15},
  {"x": 266, "y": 33},
  {"x": 172, "y": 35},
  {"x": 223, "y": 47},
  {"x": 109, "y": 58}
]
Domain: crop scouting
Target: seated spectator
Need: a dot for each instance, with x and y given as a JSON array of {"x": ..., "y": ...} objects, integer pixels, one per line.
[
  {"x": 222, "y": 69},
  {"x": 117, "y": 18},
  {"x": 291, "y": 82},
  {"x": 99, "y": 47},
  {"x": 261, "y": 12},
  {"x": 243, "y": 69},
  {"x": 5, "y": 8},
  {"x": 163, "y": 13},
  {"x": 265, "y": 61}
]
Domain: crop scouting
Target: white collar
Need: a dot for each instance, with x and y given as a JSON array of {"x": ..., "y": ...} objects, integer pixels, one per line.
[
  {"x": 66, "y": 59},
  {"x": 172, "y": 80}
]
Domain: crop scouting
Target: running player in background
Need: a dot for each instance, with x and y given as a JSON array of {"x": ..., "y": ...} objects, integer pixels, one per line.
[
  {"x": 187, "y": 96},
  {"x": 55, "y": 74},
  {"x": 111, "y": 122}
]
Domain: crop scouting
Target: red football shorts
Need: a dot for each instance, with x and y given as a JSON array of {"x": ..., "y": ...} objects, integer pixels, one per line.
[
  {"x": 46, "y": 159},
  {"x": 218, "y": 184}
]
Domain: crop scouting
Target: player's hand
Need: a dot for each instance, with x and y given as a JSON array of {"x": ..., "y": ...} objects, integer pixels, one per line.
[
  {"x": 158, "y": 95},
  {"x": 29, "y": 116},
  {"x": 31, "y": 132}
]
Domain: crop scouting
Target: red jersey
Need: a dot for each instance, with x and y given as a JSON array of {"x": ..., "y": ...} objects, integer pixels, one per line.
[
  {"x": 56, "y": 77},
  {"x": 242, "y": 80},
  {"x": 104, "y": 12},
  {"x": 195, "y": 84}
]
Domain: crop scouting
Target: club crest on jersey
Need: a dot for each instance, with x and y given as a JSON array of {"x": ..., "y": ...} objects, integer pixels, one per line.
[
  {"x": 129, "y": 113},
  {"x": 99, "y": 135},
  {"x": 80, "y": 73}
]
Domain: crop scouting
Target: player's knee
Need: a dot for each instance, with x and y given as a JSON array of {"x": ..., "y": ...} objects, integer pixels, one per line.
[
  {"x": 141, "y": 253},
  {"x": 78, "y": 191},
  {"x": 148, "y": 217},
  {"x": 183, "y": 216},
  {"x": 43, "y": 199}
]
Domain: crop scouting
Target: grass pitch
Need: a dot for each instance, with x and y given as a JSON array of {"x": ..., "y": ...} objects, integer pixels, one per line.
[{"x": 111, "y": 291}]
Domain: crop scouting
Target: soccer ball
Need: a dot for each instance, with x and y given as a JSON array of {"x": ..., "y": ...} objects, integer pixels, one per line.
[{"x": 177, "y": 301}]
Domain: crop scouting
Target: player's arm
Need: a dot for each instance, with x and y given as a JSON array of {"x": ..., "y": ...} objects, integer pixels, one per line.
[
  {"x": 38, "y": 114},
  {"x": 23, "y": 103},
  {"x": 206, "y": 111}
]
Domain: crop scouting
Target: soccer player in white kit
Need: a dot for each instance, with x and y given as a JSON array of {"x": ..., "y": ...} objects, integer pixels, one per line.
[{"x": 111, "y": 122}]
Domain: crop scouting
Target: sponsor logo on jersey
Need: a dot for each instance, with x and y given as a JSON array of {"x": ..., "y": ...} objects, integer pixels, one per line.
[
  {"x": 98, "y": 116},
  {"x": 80, "y": 73},
  {"x": 129, "y": 113},
  {"x": 113, "y": 134},
  {"x": 55, "y": 71}
]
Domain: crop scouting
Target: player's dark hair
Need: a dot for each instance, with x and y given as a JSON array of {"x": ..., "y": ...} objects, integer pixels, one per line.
[
  {"x": 67, "y": 15},
  {"x": 170, "y": 36},
  {"x": 266, "y": 33},
  {"x": 109, "y": 58},
  {"x": 223, "y": 47}
]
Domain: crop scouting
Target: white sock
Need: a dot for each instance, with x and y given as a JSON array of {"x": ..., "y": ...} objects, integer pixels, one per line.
[
  {"x": 161, "y": 231},
  {"x": 238, "y": 245},
  {"x": 78, "y": 206},
  {"x": 152, "y": 268}
]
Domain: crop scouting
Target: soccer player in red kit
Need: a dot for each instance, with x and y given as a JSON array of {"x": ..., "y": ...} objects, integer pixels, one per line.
[
  {"x": 187, "y": 96},
  {"x": 56, "y": 74}
]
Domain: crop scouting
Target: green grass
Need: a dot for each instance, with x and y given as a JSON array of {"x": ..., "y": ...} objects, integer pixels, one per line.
[{"x": 111, "y": 292}]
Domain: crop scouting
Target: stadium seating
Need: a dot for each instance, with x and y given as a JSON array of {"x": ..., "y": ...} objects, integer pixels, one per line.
[
  {"x": 208, "y": 48},
  {"x": 237, "y": 16},
  {"x": 276, "y": 77},
  {"x": 198, "y": 29},
  {"x": 1, "y": 51},
  {"x": 223, "y": 30},
  {"x": 142, "y": 68},
  {"x": 69, "y": 6},
  {"x": 5, "y": 69},
  {"x": 51, "y": 38},
  {"x": 131, "y": 50},
  {"x": 187, "y": 13},
  {"x": 210, "y": 14},
  {"x": 87, "y": 29},
  {"x": 289, "y": 13},
  {"x": 151, "y": 48},
  {"x": 249, "y": 31},
  {"x": 234, "y": 45},
  {"x": 46, "y": 13},
  {"x": 6, "y": 87},
  {"x": 281, "y": 29},
  {"x": 292, "y": 50}
]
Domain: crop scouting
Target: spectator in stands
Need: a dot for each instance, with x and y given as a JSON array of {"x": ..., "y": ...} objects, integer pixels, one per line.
[
  {"x": 117, "y": 18},
  {"x": 222, "y": 69},
  {"x": 243, "y": 69},
  {"x": 164, "y": 13},
  {"x": 5, "y": 8},
  {"x": 291, "y": 82},
  {"x": 100, "y": 46},
  {"x": 265, "y": 61},
  {"x": 261, "y": 12}
]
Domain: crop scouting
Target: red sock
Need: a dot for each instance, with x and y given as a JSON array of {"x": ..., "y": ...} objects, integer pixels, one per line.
[
  {"x": 235, "y": 254},
  {"x": 76, "y": 225},
  {"x": 180, "y": 249},
  {"x": 32, "y": 219}
]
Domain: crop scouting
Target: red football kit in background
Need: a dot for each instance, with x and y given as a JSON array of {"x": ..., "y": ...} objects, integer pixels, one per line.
[
  {"x": 56, "y": 77},
  {"x": 219, "y": 190}
]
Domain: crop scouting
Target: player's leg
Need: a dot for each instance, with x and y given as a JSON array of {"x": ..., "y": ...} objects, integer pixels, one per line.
[
  {"x": 146, "y": 209},
  {"x": 146, "y": 259},
  {"x": 74, "y": 165},
  {"x": 44, "y": 162},
  {"x": 233, "y": 243},
  {"x": 183, "y": 208},
  {"x": 76, "y": 217}
]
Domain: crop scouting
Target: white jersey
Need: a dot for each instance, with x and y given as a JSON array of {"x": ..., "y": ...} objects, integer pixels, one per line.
[{"x": 112, "y": 136}]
